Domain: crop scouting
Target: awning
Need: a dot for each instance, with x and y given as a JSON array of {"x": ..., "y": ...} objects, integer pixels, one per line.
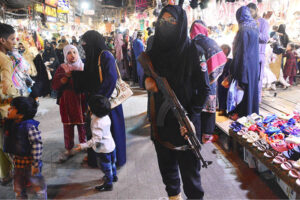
[{"x": 17, "y": 4}]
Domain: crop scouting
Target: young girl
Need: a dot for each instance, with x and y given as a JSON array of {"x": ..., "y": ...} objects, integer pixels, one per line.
[
  {"x": 71, "y": 104},
  {"x": 290, "y": 68}
]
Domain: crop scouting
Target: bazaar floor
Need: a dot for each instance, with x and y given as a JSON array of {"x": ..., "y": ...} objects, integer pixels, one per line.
[{"x": 229, "y": 177}]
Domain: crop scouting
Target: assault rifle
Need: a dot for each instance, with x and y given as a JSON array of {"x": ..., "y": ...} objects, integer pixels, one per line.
[{"x": 171, "y": 102}]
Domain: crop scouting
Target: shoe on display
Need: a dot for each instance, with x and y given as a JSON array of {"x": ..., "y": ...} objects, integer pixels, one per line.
[{"x": 293, "y": 139}]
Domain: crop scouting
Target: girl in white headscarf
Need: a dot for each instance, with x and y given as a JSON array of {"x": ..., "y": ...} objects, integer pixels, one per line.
[{"x": 71, "y": 104}]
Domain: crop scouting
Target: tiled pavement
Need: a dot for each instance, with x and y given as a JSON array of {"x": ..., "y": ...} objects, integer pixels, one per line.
[{"x": 228, "y": 177}]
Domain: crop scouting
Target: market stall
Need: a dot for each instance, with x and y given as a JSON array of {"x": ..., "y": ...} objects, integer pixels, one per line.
[{"x": 273, "y": 140}]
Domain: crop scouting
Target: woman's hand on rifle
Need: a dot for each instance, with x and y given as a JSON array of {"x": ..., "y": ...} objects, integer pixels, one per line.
[
  {"x": 184, "y": 131},
  {"x": 150, "y": 85}
]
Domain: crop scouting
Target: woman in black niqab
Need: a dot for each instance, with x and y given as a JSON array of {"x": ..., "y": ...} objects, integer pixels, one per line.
[
  {"x": 170, "y": 50},
  {"x": 93, "y": 45},
  {"x": 174, "y": 57}
]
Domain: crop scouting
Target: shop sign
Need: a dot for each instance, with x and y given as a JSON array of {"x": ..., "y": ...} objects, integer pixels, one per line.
[
  {"x": 89, "y": 12},
  {"x": 71, "y": 15},
  {"x": 63, "y": 6},
  {"x": 62, "y": 17},
  {"x": 77, "y": 20},
  {"x": 52, "y": 3},
  {"x": 47, "y": 10},
  {"x": 39, "y": 8},
  {"x": 50, "y": 11},
  {"x": 51, "y": 19}
]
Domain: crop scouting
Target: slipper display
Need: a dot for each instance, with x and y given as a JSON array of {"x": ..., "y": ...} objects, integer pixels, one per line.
[
  {"x": 243, "y": 120},
  {"x": 296, "y": 164},
  {"x": 280, "y": 146},
  {"x": 292, "y": 154},
  {"x": 295, "y": 132},
  {"x": 293, "y": 139},
  {"x": 286, "y": 166},
  {"x": 242, "y": 131},
  {"x": 298, "y": 182},
  {"x": 285, "y": 117},
  {"x": 276, "y": 137},
  {"x": 255, "y": 118},
  {"x": 269, "y": 154},
  {"x": 236, "y": 127},
  {"x": 279, "y": 159},
  {"x": 271, "y": 130},
  {"x": 291, "y": 121},
  {"x": 269, "y": 119},
  {"x": 294, "y": 173}
]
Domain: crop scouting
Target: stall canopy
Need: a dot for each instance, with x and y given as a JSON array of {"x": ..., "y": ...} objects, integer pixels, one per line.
[
  {"x": 117, "y": 3},
  {"x": 16, "y": 4}
]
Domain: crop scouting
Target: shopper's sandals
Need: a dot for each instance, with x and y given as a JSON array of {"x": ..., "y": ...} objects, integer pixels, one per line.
[{"x": 64, "y": 157}]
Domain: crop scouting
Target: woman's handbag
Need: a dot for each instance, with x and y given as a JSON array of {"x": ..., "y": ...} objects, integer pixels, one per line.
[{"x": 122, "y": 91}]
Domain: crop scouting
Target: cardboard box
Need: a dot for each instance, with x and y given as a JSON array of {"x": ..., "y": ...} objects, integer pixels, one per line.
[
  {"x": 249, "y": 159},
  {"x": 290, "y": 193},
  {"x": 253, "y": 162}
]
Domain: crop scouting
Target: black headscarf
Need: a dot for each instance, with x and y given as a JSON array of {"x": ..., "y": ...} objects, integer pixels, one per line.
[
  {"x": 49, "y": 53},
  {"x": 95, "y": 43},
  {"x": 284, "y": 39},
  {"x": 170, "y": 54},
  {"x": 89, "y": 81}
]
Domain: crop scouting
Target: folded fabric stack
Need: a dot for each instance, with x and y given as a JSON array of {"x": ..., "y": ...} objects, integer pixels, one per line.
[{"x": 277, "y": 136}]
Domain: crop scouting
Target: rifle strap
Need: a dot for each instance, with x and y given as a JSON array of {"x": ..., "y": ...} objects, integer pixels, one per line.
[{"x": 155, "y": 132}]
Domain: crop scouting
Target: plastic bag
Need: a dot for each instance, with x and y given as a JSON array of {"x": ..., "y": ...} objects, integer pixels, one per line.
[{"x": 235, "y": 96}]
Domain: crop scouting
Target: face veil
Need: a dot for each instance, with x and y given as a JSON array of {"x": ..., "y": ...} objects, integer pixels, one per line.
[
  {"x": 169, "y": 53},
  {"x": 88, "y": 80}
]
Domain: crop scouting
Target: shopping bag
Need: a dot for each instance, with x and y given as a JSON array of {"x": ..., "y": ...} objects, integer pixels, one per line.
[{"x": 235, "y": 96}]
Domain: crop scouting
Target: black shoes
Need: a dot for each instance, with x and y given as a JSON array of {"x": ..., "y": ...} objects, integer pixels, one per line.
[
  {"x": 115, "y": 179},
  {"x": 104, "y": 187}
]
